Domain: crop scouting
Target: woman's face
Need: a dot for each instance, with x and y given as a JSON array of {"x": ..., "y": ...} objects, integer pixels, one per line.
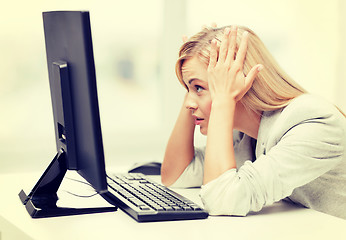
[{"x": 198, "y": 98}]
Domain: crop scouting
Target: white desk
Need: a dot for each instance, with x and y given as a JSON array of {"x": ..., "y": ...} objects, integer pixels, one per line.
[{"x": 280, "y": 221}]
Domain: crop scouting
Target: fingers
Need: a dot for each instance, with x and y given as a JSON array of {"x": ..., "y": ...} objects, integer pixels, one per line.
[
  {"x": 227, "y": 49},
  {"x": 213, "y": 25},
  {"x": 225, "y": 69},
  {"x": 242, "y": 49},
  {"x": 252, "y": 75},
  {"x": 249, "y": 79},
  {"x": 213, "y": 54},
  {"x": 232, "y": 45},
  {"x": 224, "y": 45},
  {"x": 227, "y": 53}
]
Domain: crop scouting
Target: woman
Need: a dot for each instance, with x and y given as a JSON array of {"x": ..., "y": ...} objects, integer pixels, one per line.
[{"x": 267, "y": 139}]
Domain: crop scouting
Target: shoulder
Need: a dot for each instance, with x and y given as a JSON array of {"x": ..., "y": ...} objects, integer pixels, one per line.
[
  {"x": 310, "y": 106},
  {"x": 308, "y": 115}
]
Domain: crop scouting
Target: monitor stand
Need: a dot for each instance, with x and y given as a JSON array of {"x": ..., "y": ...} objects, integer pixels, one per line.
[{"x": 41, "y": 202}]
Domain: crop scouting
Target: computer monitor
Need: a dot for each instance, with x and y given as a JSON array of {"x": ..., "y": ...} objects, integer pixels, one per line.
[{"x": 77, "y": 125}]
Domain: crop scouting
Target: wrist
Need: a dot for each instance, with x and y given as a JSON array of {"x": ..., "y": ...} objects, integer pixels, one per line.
[
  {"x": 222, "y": 109},
  {"x": 224, "y": 101}
]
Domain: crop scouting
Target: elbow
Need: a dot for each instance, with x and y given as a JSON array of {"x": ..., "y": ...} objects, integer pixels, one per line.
[
  {"x": 215, "y": 207},
  {"x": 166, "y": 183},
  {"x": 166, "y": 179},
  {"x": 226, "y": 197}
]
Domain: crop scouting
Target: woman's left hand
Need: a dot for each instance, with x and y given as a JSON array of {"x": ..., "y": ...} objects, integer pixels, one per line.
[{"x": 226, "y": 79}]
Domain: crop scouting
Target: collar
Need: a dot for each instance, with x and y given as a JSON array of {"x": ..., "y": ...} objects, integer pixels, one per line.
[{"x": 267, "y": 122}]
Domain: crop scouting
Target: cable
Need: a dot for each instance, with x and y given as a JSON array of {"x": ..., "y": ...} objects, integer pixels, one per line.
[
  {"x": 79, "y": 181},
  {"x": 77, "y": 195},
  {"x": 83, "y": 196}
]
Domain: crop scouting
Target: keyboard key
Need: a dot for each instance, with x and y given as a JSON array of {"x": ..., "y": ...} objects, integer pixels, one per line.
[
  {"x": 145, "y": 208},
  {"x": 176, "y": 208},
  {"x": 137, "y": 202}
]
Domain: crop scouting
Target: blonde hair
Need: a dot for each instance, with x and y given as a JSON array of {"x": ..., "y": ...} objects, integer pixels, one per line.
[{"x": 272, "y": 89}]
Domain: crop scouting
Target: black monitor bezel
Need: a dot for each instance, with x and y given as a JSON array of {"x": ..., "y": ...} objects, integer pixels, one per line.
[{"x": 68, "y": 39}]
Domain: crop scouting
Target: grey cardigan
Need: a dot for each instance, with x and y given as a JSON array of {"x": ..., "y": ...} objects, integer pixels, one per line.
[{"x": 299, "y": 154}]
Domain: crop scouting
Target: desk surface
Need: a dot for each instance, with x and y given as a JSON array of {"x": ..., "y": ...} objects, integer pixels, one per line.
[{"x": 280, "y": 221}]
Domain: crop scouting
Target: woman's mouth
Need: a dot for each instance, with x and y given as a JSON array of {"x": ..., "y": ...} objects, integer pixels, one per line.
[{"x": 198, "y": 120}]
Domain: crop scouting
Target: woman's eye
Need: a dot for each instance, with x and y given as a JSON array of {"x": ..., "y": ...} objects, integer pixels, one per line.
[{"x": 199, "y": 88}]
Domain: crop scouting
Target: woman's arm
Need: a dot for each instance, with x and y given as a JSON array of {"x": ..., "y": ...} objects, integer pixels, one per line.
[
  {"x": 180, "y": 148},
  {"x": 219, "y": 154},
  {"x": 305, "y": 141},
  {"x": 227, "y": 85}
]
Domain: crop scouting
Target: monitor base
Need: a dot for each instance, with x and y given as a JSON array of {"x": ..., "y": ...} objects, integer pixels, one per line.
[
  {"x": 36, "y": 212},
  {"x": 41, "y": 202}
]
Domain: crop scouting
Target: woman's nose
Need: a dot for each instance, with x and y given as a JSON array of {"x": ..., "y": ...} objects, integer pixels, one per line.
[{"x": 190, "y": 103}]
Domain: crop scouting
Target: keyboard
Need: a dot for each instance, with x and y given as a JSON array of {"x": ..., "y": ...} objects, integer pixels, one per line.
[{"x": 147, "y": 201}]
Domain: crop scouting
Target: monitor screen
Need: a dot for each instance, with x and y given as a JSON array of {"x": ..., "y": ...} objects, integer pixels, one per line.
[{"x": 73, "y": 89}]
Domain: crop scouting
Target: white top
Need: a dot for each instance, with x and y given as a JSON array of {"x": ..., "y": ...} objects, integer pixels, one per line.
[{"x": 299, "y": 155}]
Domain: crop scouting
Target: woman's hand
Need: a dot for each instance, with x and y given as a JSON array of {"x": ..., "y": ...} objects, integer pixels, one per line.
[
  {"x": 225, "y": 70},
  {"x": 227, "y": 85}
]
